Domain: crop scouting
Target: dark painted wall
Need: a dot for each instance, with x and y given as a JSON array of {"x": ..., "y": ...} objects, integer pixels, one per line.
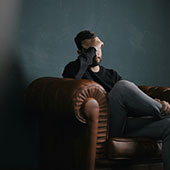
[
  {"x": 137, "y": 45},
  {"x": 135, "y": 35},
  {"x": 18, "y": 139}
]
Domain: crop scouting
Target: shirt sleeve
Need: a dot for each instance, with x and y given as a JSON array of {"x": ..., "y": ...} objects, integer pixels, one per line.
[
  {"x": 116, "y": 77},
  {"x": 77, "y": 68}
]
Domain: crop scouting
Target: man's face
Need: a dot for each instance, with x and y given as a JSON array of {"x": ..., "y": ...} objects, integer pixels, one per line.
[{"x": 97, "y": 43}]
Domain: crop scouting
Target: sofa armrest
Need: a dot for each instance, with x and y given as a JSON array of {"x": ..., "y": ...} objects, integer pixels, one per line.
[
  {"x": 84, "y": 100},
  {"x": 162, "y": 93},
  {"x": 63, "y": 95}
]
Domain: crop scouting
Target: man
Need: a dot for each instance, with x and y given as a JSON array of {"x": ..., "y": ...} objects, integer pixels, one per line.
[{"x": 125, "y": 98}]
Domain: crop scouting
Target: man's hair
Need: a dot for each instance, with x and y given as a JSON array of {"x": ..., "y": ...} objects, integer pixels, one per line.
[{"x": 83, "y": 35}]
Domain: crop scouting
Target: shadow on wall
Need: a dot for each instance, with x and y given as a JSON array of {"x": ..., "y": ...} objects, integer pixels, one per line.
[{"x": 17, "y": 131}]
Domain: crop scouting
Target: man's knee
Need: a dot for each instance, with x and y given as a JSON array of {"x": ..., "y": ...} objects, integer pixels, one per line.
[
  {"x": 119, "y": 89},
  {"x": 122, "y": 86},
  {"x": 123, "y": 83}
]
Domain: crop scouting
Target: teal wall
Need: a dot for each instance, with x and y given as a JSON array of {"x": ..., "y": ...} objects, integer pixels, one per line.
[{"x": 136, "y": 34}]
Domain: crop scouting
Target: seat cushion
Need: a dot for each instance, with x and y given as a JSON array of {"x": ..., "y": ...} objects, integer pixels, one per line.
[{"x": 134, "y": 148}]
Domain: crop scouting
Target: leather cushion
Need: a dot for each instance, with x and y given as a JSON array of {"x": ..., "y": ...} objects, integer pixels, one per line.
[{"x": 134, "y": 148}]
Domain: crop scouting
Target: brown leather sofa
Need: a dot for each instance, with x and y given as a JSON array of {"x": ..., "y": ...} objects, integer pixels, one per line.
[{"x": 73, "y": 120}]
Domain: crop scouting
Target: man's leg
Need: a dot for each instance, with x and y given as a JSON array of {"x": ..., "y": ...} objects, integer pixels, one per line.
[
  {"x": 126, "y": 99},
  {"x": 156, "y": 129}
]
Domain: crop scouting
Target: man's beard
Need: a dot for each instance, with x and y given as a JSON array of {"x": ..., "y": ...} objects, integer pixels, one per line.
[{"x": 96, "y": 61}]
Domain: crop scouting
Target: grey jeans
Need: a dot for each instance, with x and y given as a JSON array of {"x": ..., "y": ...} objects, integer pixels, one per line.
[{"x": 126, "y": 99}]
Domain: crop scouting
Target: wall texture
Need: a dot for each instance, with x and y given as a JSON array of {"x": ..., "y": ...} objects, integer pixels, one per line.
[
  {"x": 137, "y": 44},
  {"x": 135, "y": 35}
]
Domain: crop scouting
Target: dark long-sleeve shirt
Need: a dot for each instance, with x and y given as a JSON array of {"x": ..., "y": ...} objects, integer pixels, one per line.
[{"x": 80, "y": 69}]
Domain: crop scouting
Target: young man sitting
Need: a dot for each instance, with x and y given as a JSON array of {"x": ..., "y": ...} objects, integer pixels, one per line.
[{"x": 125, "y": 98}]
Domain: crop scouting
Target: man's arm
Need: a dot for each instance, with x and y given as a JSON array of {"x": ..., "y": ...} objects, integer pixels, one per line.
[{"x": 77, "y": 68}]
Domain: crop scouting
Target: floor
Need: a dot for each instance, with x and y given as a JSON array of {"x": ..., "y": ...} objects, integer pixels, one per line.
[{"x": 158, "y": 166}]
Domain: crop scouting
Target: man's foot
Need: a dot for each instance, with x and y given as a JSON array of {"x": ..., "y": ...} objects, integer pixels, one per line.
[{"x": 165, "y": 107}]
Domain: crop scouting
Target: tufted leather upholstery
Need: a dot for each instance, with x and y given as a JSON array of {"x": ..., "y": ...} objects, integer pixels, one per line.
[{"x": 73, "y": 117}]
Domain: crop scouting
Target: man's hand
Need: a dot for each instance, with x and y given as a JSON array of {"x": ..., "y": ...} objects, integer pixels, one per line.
[{"x": 165, "y": 107}]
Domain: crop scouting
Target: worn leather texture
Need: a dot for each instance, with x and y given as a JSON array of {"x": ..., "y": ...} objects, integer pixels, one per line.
[
  {"x": 162, "y": 93},
  {"x": 137, "y": 148},
  {"x": 73, "y": 116}
]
